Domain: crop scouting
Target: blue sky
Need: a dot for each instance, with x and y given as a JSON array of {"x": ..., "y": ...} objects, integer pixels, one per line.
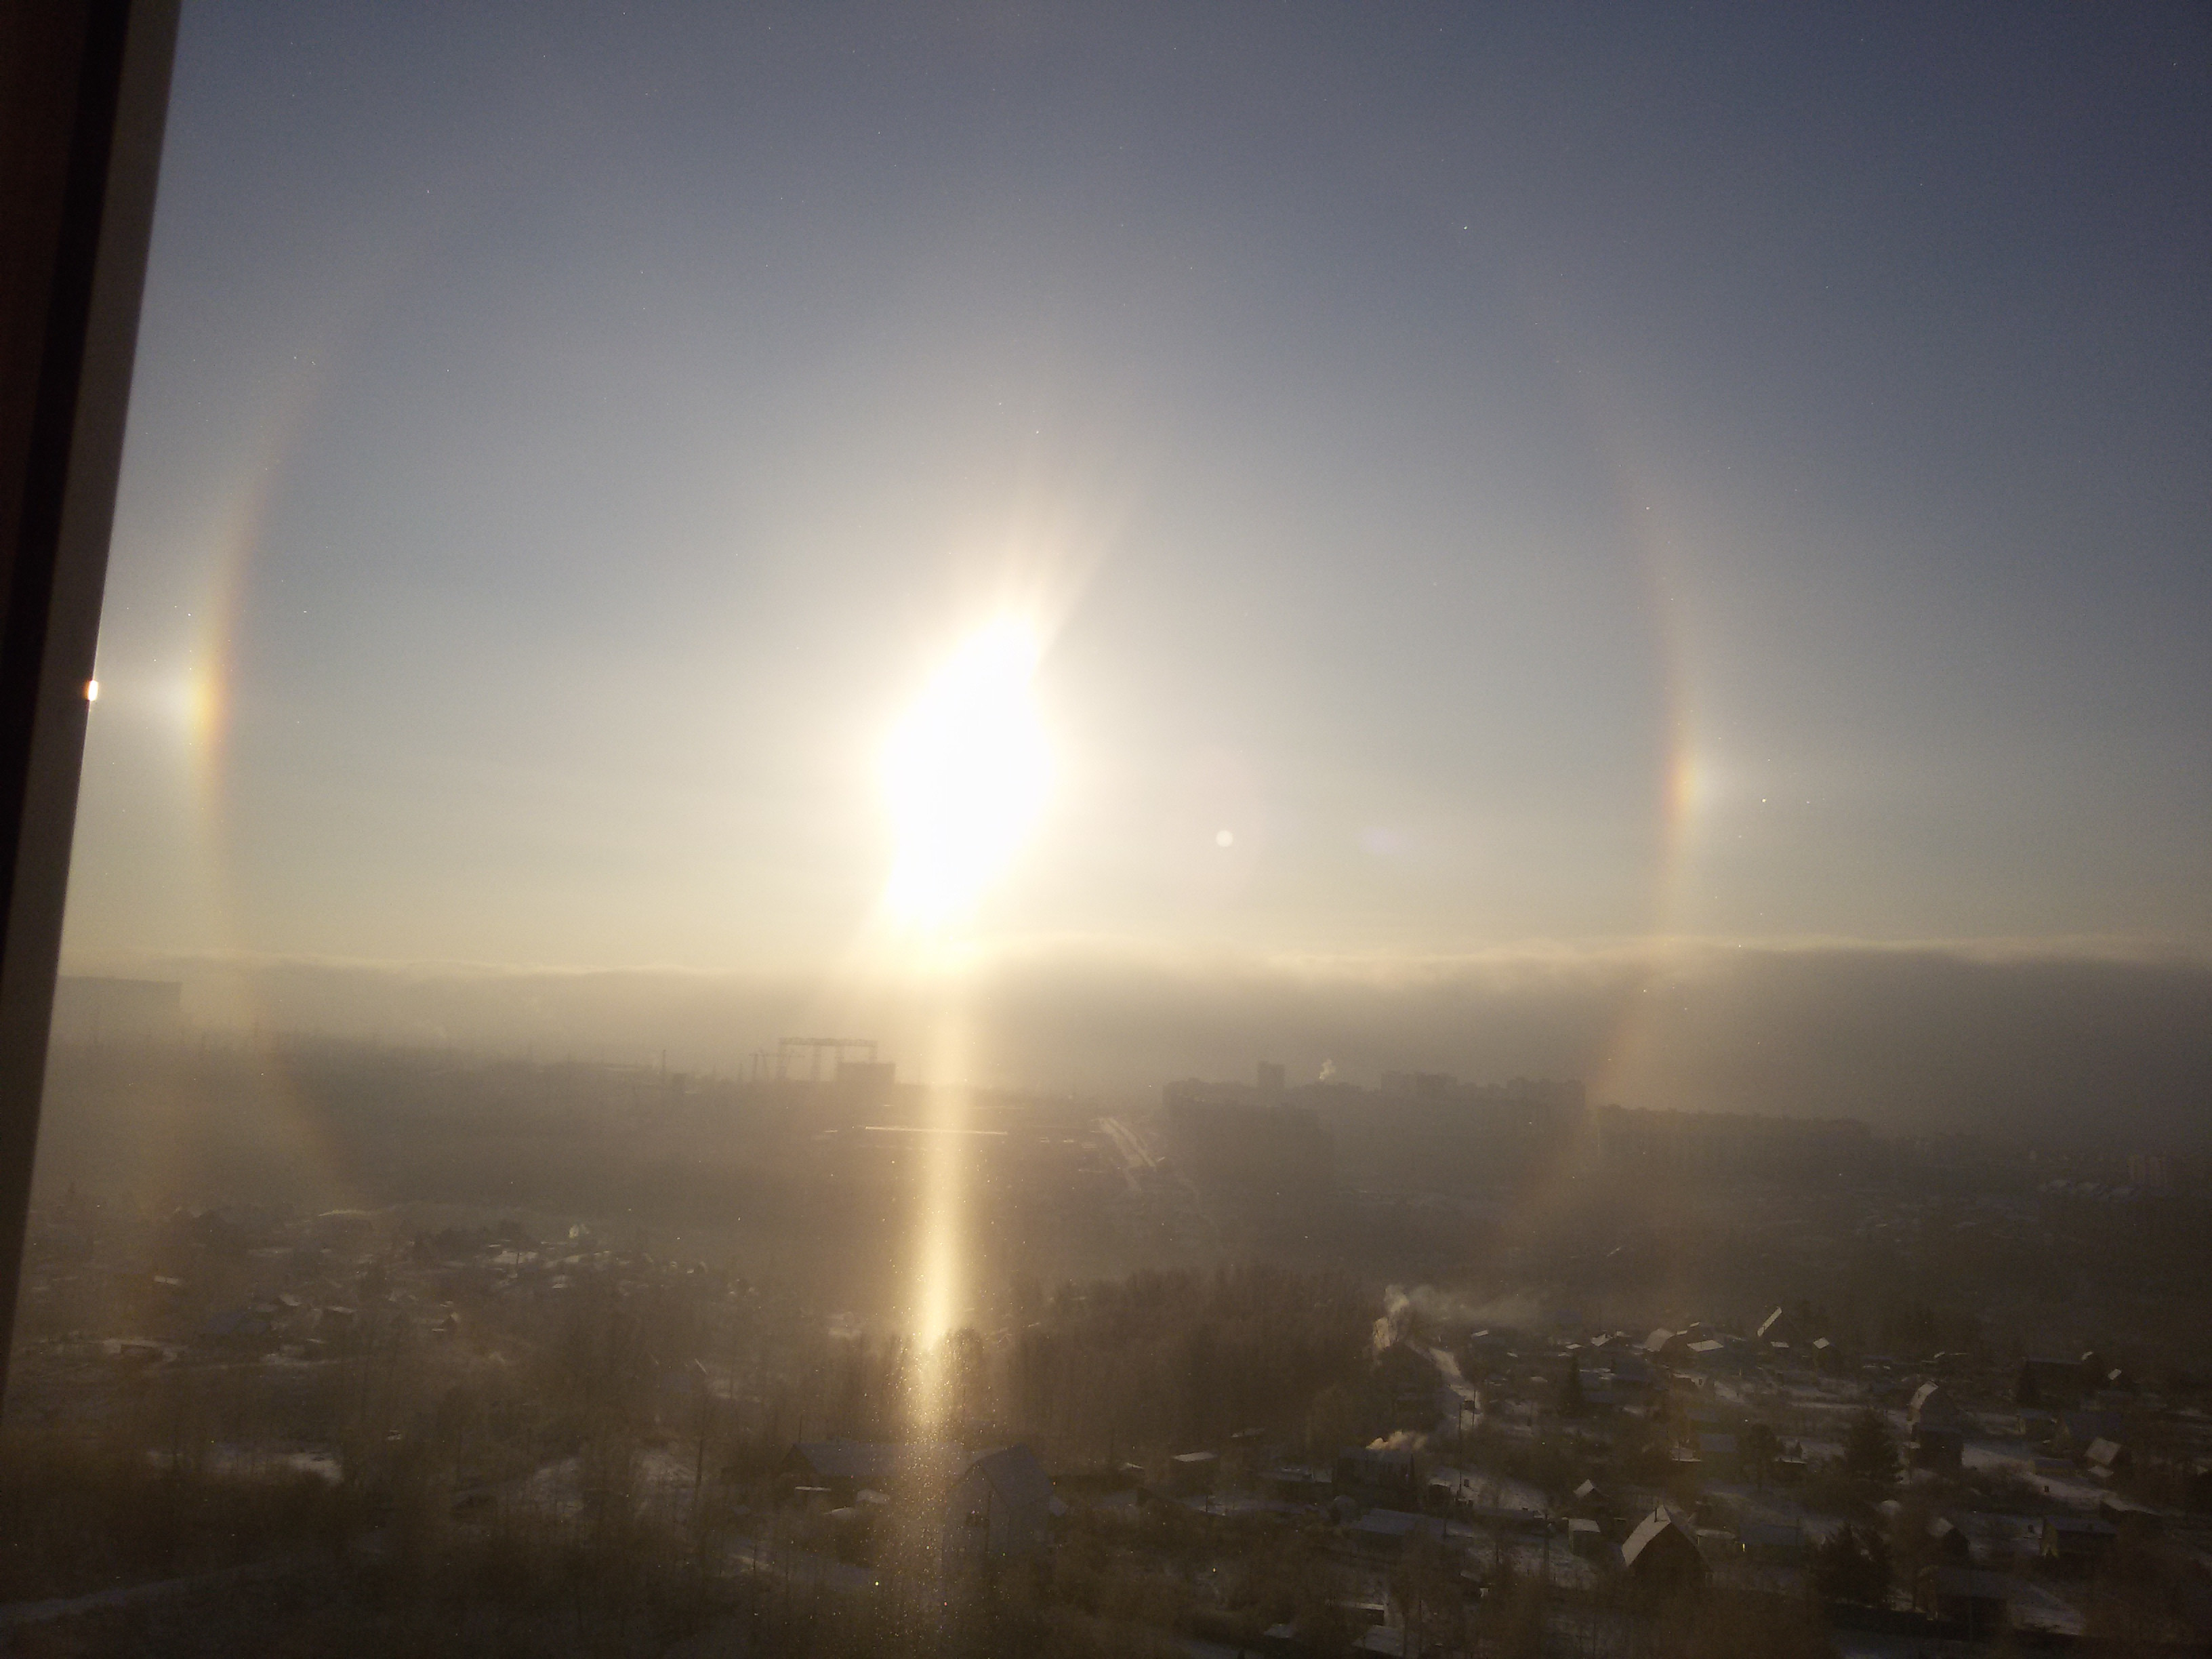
[{"x": 1533, "y": 474}]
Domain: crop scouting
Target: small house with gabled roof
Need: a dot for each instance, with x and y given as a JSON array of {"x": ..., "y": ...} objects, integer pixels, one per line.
[
  {"x": 999, "y": 1510},
  {"x": 1662, "y": 1553}
]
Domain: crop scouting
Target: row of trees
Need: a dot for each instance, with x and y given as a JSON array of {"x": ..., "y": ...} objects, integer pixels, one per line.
[{"x": 1115, "y": 1368}]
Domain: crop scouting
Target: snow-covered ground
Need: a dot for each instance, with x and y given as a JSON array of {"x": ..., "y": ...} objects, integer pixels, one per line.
[
  {"x": 1490, "y": 1492},
  {"x": 2018, "y": 1457}
]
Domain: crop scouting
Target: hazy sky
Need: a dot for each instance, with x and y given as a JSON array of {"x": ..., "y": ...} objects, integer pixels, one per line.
[{"x": 1529, "y": 473}]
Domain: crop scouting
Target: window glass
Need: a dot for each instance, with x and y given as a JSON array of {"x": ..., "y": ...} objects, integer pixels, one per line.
[{"x": 1141, "y": 828}]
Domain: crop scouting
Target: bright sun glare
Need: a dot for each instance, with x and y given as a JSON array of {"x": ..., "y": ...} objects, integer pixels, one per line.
[{"x": 966, "y": 773}]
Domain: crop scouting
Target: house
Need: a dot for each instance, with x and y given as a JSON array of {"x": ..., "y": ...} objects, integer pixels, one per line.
[
  {"x": 1190, "y": 1474},
  {"x": 1932, "y": 1406},
  {"x": 2052, "y": 1384},
  {"x": 1390, "y": 1476},
  {"x": 1585, "y": 1538},
  {"x": 2074, "y": 1544},
  {"x": 1630, "y": 1370},
  {"x": 1949, "y": 1539},
  {"x": 2107, "y": 1458},
  {"x": 2079, "y": 1430},
  {"x": 1385, "y": 1532},
  {"x": 1719, "y": 1456},
  {"x": 999, "y": 1509},
  {"x": 1969, "y": 1597},
  {"x": 1662, "y": 1554}
]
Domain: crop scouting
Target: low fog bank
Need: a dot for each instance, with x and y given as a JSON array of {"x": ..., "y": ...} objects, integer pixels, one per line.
[{"x": 2065, "y": 1046}]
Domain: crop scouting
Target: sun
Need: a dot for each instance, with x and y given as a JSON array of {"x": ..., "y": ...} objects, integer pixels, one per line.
[{"x": 965, "y": 773}]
